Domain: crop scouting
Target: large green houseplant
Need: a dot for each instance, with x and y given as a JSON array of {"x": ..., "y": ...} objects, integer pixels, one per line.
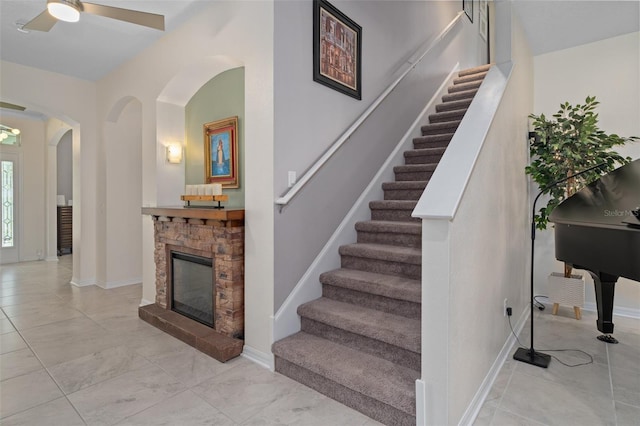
[{"x": 566, "y": 144}]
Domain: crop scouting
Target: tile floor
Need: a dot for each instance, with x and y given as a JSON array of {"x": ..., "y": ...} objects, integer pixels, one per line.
[
  {"x": 605, "y": 392},
  {"x": 80, "y": 356}
]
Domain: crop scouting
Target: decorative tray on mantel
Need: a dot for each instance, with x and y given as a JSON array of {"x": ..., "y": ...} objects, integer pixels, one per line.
[{"x": 218, "y": 198}]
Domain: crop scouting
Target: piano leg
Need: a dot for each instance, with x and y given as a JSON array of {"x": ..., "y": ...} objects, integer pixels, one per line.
[{"x": 605, "y": 288}]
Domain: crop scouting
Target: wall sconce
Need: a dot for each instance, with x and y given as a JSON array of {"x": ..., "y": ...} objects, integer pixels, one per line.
[{"x": 174, "y": 153}]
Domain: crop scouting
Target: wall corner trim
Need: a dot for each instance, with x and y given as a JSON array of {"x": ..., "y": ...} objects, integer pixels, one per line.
[{"x": 263, "y": 359}]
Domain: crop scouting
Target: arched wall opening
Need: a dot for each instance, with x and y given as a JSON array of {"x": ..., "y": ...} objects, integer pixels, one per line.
[{"x": 168, "y": 180}]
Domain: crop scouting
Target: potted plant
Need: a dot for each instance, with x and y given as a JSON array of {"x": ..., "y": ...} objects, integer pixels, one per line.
[{"x": 568, "y": 143}]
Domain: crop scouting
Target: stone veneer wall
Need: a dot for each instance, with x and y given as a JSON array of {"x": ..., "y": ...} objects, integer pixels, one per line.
[{"x": 223, "y": 241}]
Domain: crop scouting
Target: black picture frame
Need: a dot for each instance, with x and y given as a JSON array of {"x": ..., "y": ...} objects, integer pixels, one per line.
[
  {"x": 467, "y": 6},
  {"x": 337, "y": 50}
]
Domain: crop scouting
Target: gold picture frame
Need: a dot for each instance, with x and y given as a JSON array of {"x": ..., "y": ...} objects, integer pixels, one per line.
[{"x": 221, "y": 152}]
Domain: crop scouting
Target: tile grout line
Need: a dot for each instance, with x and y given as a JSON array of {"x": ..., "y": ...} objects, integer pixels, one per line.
[
  {"x": 613, "y": 401},
  {"x": 64, "y": 395}
]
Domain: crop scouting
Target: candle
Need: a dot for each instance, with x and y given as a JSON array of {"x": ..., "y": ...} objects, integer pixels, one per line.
[{"x": 217, "y": 189}]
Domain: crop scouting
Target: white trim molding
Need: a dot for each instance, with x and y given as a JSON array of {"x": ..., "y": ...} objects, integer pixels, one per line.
[
  {"x": 263, "y": 359},
  {"x": 479, "y": 398}
]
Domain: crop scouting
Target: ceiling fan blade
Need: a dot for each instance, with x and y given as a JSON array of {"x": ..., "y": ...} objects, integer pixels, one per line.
[
  {"x": 42, "y": 22},
  {"x": 151, "y": 20},
  {"x": 8, "y": 105}
]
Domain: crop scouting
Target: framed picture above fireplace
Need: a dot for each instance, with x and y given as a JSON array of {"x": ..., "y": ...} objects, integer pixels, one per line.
[{"x": 221, "y": 152}]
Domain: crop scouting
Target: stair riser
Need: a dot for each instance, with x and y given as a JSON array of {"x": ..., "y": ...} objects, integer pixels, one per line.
[
  {"x": 393, "y": 215},
  {"x": 373, "y": 301},
  {"x": 474, "y": 70},
  {"x": 453, "y": 105},
  {"x": 423, "y": 159},
  {"x": 390, "y": 238},
  {"x": 377, "y": 410},
  {"x": 463, "y": 87},
  {"x": 398, "y": 269},
  {"x": 470, "y": 78},
  {"x": 445, "y": 116},
  {"x": 412, "y": 176},
  {"x": 361, "y": 343},
  {"x": 403, "y": 194},
  {"x": 418, "y": 144},
  {"x": 429, "y": 129}
]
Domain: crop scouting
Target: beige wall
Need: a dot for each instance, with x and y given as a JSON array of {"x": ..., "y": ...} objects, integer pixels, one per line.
[{"x": 609, "y": 70}]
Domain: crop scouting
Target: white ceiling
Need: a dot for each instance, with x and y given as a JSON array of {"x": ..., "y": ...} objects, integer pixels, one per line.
[
  {"x": 557, "y": 25},
  {"x": 93, "y": 47},
  {"x": 90, "y": 48}
]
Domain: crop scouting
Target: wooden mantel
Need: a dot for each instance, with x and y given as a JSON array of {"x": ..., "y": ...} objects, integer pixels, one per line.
[{"x": 183, "y": 214}]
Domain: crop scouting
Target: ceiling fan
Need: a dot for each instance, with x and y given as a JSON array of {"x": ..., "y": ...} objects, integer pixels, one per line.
[{"x": 69, "y": 11}]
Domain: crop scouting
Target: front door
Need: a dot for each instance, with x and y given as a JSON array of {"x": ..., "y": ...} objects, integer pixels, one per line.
[{"x": 9, "y": 250}]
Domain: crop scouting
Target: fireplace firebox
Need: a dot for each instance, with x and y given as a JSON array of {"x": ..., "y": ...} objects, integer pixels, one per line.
[{"x": 192, "y": 282}]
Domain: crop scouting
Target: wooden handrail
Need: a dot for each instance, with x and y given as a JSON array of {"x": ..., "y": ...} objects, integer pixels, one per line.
[{"x": 311, "y": 171}]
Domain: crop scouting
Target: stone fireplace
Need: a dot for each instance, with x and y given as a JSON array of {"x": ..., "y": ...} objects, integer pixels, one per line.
[{"x": 199, "y": 238}]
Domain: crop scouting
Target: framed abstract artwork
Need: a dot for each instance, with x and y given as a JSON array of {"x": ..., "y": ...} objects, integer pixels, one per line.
[
  {"x": 337, "y": 50},
  {"x": 467, "y": 6}
]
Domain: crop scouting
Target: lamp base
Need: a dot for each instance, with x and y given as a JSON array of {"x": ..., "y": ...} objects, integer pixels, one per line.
[{"x": 532, "y": 357}]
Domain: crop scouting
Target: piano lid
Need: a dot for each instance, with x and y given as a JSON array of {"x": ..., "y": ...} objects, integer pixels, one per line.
[{"x": 607, "y": 202}]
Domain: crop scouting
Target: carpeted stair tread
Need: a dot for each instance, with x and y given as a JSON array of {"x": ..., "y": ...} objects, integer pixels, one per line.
[
  {"x": 395, "y": 330},
  {"x": 369, "y": 375},
  {"x": 379, "y": 284},
  {"x": 443, "y": 127},
  {"x": 424, "y": 151},
  {"x": 453, "y": 105},
  {"x": 433, "y": 141},
  {"x": 393, "y": 204},
  {"x": 395, "y": 233},
  {"x": 361, "y": 341},
  {"x": 456, "y": 96},
  {"x": 470, "y": 77},
  {"x": 474, "y": 70},
  {"x": 464, "y": 86},
  {"x": 409, "y": 255},
  {"x": 439, "y": 117}
]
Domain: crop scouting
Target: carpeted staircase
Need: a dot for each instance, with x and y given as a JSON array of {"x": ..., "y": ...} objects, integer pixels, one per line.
[{"x": 360, "y": 342}]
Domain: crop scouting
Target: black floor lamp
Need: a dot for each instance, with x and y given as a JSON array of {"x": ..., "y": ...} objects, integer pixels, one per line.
[{"x": 529, "y": 355}]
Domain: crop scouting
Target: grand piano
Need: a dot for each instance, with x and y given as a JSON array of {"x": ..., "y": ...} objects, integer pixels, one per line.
[{"x": 598, "y": 229}]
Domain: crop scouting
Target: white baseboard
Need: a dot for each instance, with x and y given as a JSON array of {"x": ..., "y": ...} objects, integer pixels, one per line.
[
  {"x": 623, "y": 312},
  {"x": 263, "y": 359},
  {"x": 119, "y": 283},
  {"x": 421, "y": 390},
  {"x": 82, "y": 283},
  {"x": 145, "y": 302},
  {"x": 52, "y": 259},
  {"x": 477, "y": 402},
  {"x": 286, "y": 320}
]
